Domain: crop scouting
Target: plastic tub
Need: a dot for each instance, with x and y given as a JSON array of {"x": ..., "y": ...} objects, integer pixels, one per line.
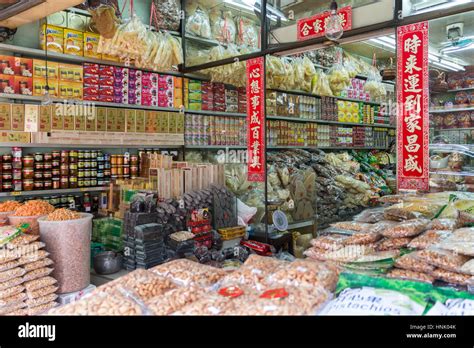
[
  {"x": 4, "y": 217},
  {"x": 31, "y": 220},
  {"x": 69, "y": 243}
]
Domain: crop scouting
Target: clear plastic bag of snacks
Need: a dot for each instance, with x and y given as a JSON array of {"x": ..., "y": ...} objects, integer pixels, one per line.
[
  {"x": 412, "y": 263},
  {"x": 168, "y": 14},
  {"x": 10, "y": 283},
  {"x": 320, "y": 84},
  {"x": 363, "y": 238},
  {"x": 460, "y": 241},
  {"x": 34, "y": 302},
  {"x": 370, "y": 216},
  {"x": 393, "y": 243},
  {"x": 452, "y": 277},
  {"x": 407, "y": 228},
  {"x": 11, "y": 291},
  {"x": 38, "y": 264},
  {"x": 223, "y": 26},
  {"x": 174, "y": 300},
  {"x": 198, "y": 23},
  {"x": 12, "y": 300},
  {"x": 468, "y": 267},
  {"x": 36, "y": 284},
  {"x": 247, "y": 32},
  {"x": 129, "y": 40},
  {"x": 304, "y": 273},
  {"x": 374, "y": 85},
  {"x": 209, "y": 305},
  {"x": 443, "y": 224},
  {"x": 329, "y": 241},
  {"x": 42, "y": 291},
  {"x": 443, "y": 259},
  {"x": 11, "y": 274},
  {"x": 428, "y": 239},
  {"x": 410, "y": 275},
  {"x": 37, "y": 273},
  {"x": 352, "y": 225},
  {"x": 41, "y": 309}
]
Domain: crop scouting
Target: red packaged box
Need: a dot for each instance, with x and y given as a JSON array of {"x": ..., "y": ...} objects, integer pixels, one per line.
[
  {"x": 106, "y": 90},
  {"x": 165, "y": 81},
  {"x": 7, "y": 84},
  {"x": 90, "y": 68},
  {"x": 106, "y": 70},
  {"x": 91, "y": 97},
  {"x": 91, "y": 79},
  {"x": 106, "y": 98},
  {"x": 23, "y": 67},
  {"x": 7, "y": 65},
  {"x": 91, "y": 90},
  {"x": 106, "y": 80},
  {"x": 23, "y": 85},
  {"x": 260, "y": 248}
]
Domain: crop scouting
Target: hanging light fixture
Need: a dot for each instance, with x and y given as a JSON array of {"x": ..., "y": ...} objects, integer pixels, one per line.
[{"x": 334, "y": 29}]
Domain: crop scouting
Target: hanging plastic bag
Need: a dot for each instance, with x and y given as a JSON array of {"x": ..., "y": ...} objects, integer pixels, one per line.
[
  {"x": 198, "y": 23},
  {"x": 223, "y": 27},
  {"x": 168, "y": 14},
  {"x": 374, "y": 85},
  {"x": 104, "y": 20},
  {"x": 247, "y": 33},
  {"x": 338, "y": 76},
  {"x": 320, "y": 84}
]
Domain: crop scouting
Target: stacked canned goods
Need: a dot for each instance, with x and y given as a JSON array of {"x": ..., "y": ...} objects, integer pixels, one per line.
[{"x": 121, "y": 166}]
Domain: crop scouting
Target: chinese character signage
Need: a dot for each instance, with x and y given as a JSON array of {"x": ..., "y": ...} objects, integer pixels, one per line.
[
  {"x": 315, "y": 26},
  {"x": 255, "y": 120},
  {"x": 412, "y": 99}
]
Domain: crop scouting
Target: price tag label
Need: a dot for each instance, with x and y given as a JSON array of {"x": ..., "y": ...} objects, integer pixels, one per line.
[
  {"x": 291, "y": 204},
  {"x": 16, "y": 193}
]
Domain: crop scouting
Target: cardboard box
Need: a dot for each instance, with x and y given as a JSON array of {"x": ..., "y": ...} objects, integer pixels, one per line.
[
  {"x": 45, "y": 114},
  {"x": 140, "y": 121},
  {"x": 5, "y": 116},
  {"x": 131, "y": 118},
  {"x": 68, "y": 122},
  {"x": 91, "y": 68},
  {"x": 180, "y": 123},
  {"x": 80, "y": 123},
  {"x": 91, "y": 125},
  {"x": 73, "y": 42},
  {"x": 52, "y": 37},
  {"x": 70, "y": 90},
  {"x": 40, "y": 69},
  {"x": 18, "y": 117},
  {"x": 101, "y": 116},
  {"x": 57, "y": 119},
  {"x": 31, "y": 118},
  {"x": 23, "y": 67},
  {"x": 7, "y": 84},
  {"x": 23, "y": 85},
  {"x": 111, "y": 119},
  {"x": 91, "y": 44},
  {"x": 71, "y": 72},
  {"x": 120, "y": 121},
  {"x": 172, "y": 122},
  {"x": 14, "y": 137},
  {"x": 7, "y": 65},
  {"x": 163, "y": 123},
  {"x": 39, "y": 87},
  {"x": 150, "y": 122}
]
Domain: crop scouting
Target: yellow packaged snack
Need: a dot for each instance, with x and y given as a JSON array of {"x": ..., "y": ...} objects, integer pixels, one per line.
[
  {"x": 52, "y": 37},
  {"x": 91, "y": 43},
  {"x": 73, "y": 42},
  {"x": 70, "y": 72}
]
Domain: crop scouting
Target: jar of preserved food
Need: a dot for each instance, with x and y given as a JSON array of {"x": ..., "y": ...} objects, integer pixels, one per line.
[
  {"x": 64, "y": 156},
  {"x": 39, "y": 166},
  {"x": 56, "y": 155},
  {"x": 119, "y": 160},
  {"x": 80, "y": 182},
  {"x": 28, "y": 161},
  {"x": 100, "y": 174},
  {"x": 56, "y": 172},
  {"x": 39, "y": 157},
  {"x": 47, "y": 184},
  {"x": 38, "y": 175},
  {"x": 94, "y": 154},
  {"x": 28, "y": 184},
  {"x": 16, "y": 174},
  {"x": 56, "y": 163},
  {"x": 38, "y": 185},
  {"x": 126, "y": 170},
  {"x": 16, "y": 152},
  {"x": 64, "y": 169},
  {"x": 7, "y": 157},
  {"x": 87, "y": 182},
  {"x": 56, "y": 183},
  {"x": 27, "y": 173},
  {"x": 7, "y": 176},
  {"x": 64, "y": 182},
  {"x": 47, "y": 175},
  {"x": 114, "y": 160},
  {"x": 100, "y": 166},
  {"x": 7, "y": 186},
  {"x": 6, "y": 167},
  {"x": 17, "y": 185},
  {"x": 87, "y": 155},
  {"x": 93, "y": 182},
  {"x": 48, "y": 157},
  {"x": 47, "y": 165},
  {"x": 73, "y": 181}
]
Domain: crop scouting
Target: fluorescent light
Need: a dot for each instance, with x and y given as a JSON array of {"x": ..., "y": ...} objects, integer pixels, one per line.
[
  {"x": 382, "y": 43},
  {"x": 457, "y": 48},
  {"x": 442, "y": 6},
  {"x": 249, "y": 5}
]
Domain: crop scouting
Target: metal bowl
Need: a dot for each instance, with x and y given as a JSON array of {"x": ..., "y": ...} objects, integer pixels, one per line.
[{"x": 107, "y": 262}]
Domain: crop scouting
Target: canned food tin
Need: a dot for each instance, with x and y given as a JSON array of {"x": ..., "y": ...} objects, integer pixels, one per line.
[
  {"x": 28, "y": 184},
  {"x": 56, "y": 172},
  {"x": 6, "y": 167},
  {"x": 47, "y": 165},
  {"x": 7, "y": 157},
  {"x": 39, "y": 166},
  {"x": 28, "y": 161},
  {"x": 9, "y": 176},
  {"x": 93, "y": 182},
  {"x": 38, "y": 175},
  {"x": 64, "y": 182},
  {"x": 56, "y": 183},
  {"x": 47, "y": 175},
  {"x": 16, "y": 152},
  {"x": 48, "y": 184},
  {"x": 7, "y": 186},
  {"x": 39, "y": 157},
  {"x": 48, "y": 157},
  {"x": 38, "y": 185}
]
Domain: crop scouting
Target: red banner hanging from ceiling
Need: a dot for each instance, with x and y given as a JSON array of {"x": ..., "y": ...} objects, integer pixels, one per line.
[
  {"x": 315, "y": 26},
  {"x": 412, "y": 100},
  {"x": 255, "y": 120}
]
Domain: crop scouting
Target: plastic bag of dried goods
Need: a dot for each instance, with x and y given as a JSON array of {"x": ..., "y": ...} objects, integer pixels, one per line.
[
  {"x": 14, "y": 307},
  {"x": 410, "y": 275},
  {"x": 12, "y": 300},
  {"x": 443, "y": 259},
  {"x": 370, "y": 216},
  {"x": 13, "y": 290},
  {"x": 129, "y": 40},
  {"x": 443, "y": 224},
  {"x": 407, "y": 228},
  {"x": 329, "y": 241},
  {"x": 51, "y": 289},
  {"x": 428, "y": 239},
  {"x": 11, "y": 274},
  {"x": 37, "y": 264},
  {"x": 374, "y": 85},
  {"x": 452, "y": 277},
  {"x": 338, "y": 78},
  {"x": 34, "y": 302},
  {"x": 247, "y": 32},
  {"x": 209, "y": 305},
  {"x": 320, "y": 84},
  {"x": 168, "y": 14},
  {"x": 468, "y": 267},
  {"x": 37, "y": 273},
  {"x": 7, "y": 234},
  {"x": 174, "y": 300},
  {"x": 460, "y": 241},
  {"x": 198, "y": 23},
  {"x": 304, "y": 273},
  {"x": 352, "y": 225},
  {"x": 9, "y": 265},
  {"x": 36, "y": 284},
  {"x": 412, "y": 263},
  {"x": 223, "y": 27},
  {"x": 373, "y": 301},
  {"x": 393, "y": 243},
  {"x": 362, "y": 237}
]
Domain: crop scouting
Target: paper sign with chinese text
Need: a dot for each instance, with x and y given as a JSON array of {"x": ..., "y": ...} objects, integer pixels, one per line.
[
  {"x": 412, "y": 100},
  {"x": 315, "y": 26},
  {"x": 255, "y": 120}
]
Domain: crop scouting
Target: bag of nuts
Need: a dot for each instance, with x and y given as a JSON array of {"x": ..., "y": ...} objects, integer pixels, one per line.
[
  {"x": 410, "y": 275},
  {"x": 428, "y": 238},
  {"x": 412, "y": 263},
  {"x": 174, "y": 300},
  {"x": 443, "y": 259},
  {"x": 407, "y": 228}
]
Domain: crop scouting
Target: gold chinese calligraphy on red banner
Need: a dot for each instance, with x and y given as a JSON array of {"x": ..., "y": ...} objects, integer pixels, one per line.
[
  {"x": 315, "y": 26},
  {"x": 255, "y": 120},
  {"x": 412, "y": 100}
]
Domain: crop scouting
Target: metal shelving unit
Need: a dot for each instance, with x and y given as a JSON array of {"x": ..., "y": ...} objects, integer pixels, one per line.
[
  {"x": 52, "y": 192},
  {"x": 443, "y": 111},
  {"x": 307, "y": 94},
  {"x": 104, "y": 104},
  {"x": 343, "y": 148},
  {"x": 300, "y": 224},
  {"x": 87, "y": 146},
  {"x": 296, "y": 119},
  {"x": 453, "y": 129},
  {"x": 213, "y": 147},
  {"x": 215, "y": 113}
]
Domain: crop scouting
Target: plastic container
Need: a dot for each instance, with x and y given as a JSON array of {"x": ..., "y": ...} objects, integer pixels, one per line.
[
  {"x": 31, "y": 220},
  {"x": 69, "y": 243}
]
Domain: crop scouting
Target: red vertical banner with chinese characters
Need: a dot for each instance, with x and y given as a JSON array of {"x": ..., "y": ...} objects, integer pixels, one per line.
[
  {"x": 412, "y": 100},
  {"x": 255, "y": 120},
  {"x": 315, "y": 26}
]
